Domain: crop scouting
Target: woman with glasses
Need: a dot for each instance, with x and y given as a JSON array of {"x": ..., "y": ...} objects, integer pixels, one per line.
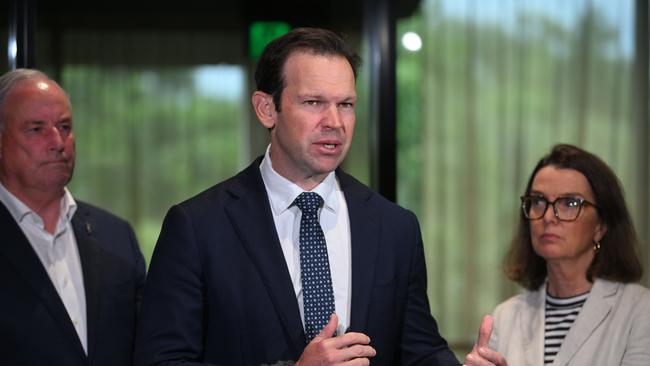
[{"x": 575, "y": 253}]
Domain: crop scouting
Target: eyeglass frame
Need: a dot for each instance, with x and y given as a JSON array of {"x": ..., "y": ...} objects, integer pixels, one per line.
[{"x": 582, "y": 202}]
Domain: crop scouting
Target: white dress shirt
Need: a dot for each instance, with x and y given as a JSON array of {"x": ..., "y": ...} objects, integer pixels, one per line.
[
  {"x": 334, "y": 220},
  {"x": 58, "y": 254}
]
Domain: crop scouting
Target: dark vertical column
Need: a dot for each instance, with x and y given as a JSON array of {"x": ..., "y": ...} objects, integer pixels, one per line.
[
  {"x": 640, "y": 99},
  {"x": 379, "y": 34},
  {"x": 21, "y": 51}
]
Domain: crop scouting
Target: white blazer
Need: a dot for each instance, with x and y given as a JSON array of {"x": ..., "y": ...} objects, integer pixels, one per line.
[{"x": 613, "y": 328}]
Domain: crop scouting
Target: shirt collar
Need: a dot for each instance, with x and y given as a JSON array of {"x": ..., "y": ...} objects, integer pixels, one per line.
[
  {"x": 19, "y": 211},
  {"x": 68, "y": 205},
  {"x": 282, "y": 192}
]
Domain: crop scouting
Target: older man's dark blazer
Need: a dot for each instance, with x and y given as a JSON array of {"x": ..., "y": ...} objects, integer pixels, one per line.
[
  {"x": 35, "y": 328},
  {"x": 219, "y": 292}
]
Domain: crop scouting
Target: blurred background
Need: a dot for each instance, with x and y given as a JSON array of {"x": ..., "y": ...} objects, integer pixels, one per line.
[{"x": 458, "y": 101}]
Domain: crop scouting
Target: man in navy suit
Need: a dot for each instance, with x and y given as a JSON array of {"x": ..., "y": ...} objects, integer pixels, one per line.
[
  {"x": 70, "y": 273},
  {"x": 226, "y": 284}
]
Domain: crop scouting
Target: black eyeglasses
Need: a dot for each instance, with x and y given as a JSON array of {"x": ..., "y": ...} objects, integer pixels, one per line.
[{"x": 564, "y": 208}]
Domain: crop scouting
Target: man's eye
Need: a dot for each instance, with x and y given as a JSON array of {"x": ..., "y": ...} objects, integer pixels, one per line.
[
  {"x": 346, "y": 105},
  {"x": 312, "y": 102}
]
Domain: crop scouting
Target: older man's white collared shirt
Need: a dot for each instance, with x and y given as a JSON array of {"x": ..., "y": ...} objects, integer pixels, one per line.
[{"x": 57, "y": 252}]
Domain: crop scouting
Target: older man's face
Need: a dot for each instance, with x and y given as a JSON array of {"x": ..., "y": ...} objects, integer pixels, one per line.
[{"x": 37, "y": 147}]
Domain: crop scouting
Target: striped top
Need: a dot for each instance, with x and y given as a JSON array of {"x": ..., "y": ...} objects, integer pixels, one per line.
[{"x": 560, "y": 315}]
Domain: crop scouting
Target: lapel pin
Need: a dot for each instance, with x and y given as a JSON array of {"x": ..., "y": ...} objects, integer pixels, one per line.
[{"x": 89, "y": 228}]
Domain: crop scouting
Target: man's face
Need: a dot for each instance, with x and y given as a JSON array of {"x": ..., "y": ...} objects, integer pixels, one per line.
[
  {"x": 311, "y": 134},
  {"x": 37, "y": 148}
]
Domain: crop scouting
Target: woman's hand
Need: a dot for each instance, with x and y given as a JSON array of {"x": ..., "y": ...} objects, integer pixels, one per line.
[{"x": 481, "y": 354}]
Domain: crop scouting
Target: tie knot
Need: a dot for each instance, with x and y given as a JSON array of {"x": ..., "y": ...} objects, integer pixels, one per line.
[{"x": 309, "y": 202}]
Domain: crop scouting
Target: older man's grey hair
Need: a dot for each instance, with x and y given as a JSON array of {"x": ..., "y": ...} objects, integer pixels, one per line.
[{"x": 12, "y": 78}]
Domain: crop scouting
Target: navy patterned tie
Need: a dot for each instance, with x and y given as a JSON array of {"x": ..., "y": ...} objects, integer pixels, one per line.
[{"x": 317, "y": 293}]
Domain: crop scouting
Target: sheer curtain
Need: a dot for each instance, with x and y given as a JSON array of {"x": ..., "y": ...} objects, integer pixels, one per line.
[
  {"x": 494, "y": 86},
  {"x": 158, "y": 117}
]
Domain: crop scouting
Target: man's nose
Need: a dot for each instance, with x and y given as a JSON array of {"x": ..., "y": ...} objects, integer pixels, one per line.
[
  {"x": 55, "y": 138},
  {"x": 333, "y": 117}
]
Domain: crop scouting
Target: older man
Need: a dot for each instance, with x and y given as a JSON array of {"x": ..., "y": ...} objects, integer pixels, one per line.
[{"x": 70, "y": 273}]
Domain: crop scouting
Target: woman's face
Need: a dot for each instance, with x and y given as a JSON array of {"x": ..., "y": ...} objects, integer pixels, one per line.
[{"x": 560, "y": 241}]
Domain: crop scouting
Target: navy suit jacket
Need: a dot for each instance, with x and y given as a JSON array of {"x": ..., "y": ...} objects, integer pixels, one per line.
[
  {"x": 219, "y": 292},
  {"x": 35, "y": 328}
]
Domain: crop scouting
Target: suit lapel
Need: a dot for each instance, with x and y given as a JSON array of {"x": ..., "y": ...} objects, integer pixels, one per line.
[
  {"x": 263, "y": 246},
  {"x": 91, "y": 265},
  {"x": 19, "y": 253},
  {"x": 364, "y": 232},
  {"x": 532, "y": 318},
  {"x": 594, "y": 311}
]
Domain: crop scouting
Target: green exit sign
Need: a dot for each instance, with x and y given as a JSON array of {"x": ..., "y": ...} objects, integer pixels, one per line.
[{"x": 261, "y": 33}]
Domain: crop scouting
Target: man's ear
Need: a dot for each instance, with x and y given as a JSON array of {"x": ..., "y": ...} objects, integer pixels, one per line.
[{"x": 264, "y": 108}]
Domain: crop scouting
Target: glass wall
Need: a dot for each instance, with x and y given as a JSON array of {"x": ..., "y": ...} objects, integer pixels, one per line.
[
  {"x": 494, "y": 85},
  {"x": 155, "y": 121},
  {"x": 151, "y": 137}
]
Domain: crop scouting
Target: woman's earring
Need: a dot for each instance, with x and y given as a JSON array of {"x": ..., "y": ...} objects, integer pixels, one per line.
[{"x": 596, "y": 246}]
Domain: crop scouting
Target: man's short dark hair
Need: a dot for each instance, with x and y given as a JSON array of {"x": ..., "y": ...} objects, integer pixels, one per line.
[{"x": 269, "y": 75}]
